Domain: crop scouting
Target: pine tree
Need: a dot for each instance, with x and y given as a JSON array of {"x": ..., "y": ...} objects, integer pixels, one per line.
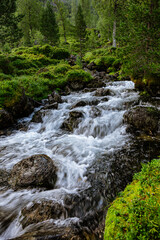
[
  {"x": 31, "y": 11},
  {"x": 80, "y": 28},
  {"x": 49, "y": 27},
  {"x": 62, "y": 16},
  {"x": 9, "y": 31}
]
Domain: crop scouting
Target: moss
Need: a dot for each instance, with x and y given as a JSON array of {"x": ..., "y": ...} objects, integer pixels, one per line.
[
  {"x": 10, "y": 93},
  {"x": 135, "y": 214},
  {"x": 78, "y": 75}
]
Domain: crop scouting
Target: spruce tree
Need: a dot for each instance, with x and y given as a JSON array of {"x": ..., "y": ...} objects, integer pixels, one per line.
[
  {"x": 9, "y": 31},
  {"x": 31, "y": 11},
  {"x": 49, "y": 27},
  {"x": 80, "y": 28}
]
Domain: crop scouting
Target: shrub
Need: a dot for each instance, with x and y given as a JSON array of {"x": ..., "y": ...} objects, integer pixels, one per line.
[
  {"x": 5, "y": 77},
  {"x": 62, "y": 68},
  {"x": 49, "y": 51},
  {"x": 78, "y": 75},
  {"x": 136, "y": 213},
  {"x": 105, "y": 61},
  {"x": 6, "y": 66},
  {"x": 88, "y": 57},
  {"x": 10, "y": 92}
]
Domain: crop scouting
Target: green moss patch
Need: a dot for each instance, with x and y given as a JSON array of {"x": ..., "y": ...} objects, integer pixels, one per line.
[
  {"x": 78, "y": 75},
  {"x": 135, "y": 214}
]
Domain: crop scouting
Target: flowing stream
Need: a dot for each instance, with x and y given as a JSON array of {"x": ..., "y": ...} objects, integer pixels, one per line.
[{"x": 101, "y": 131}]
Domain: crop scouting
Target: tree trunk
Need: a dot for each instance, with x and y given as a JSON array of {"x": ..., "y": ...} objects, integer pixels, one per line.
[{"x": 114, "y": 34}]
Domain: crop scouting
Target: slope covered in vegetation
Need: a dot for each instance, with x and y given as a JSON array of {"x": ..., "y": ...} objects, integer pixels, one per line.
[{"x": 135, "y": 214}]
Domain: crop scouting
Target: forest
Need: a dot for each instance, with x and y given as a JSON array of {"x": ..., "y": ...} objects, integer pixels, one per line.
[{"x": 94, "y": 67}]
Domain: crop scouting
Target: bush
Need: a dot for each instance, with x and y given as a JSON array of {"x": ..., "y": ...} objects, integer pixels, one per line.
[
  {"x": 10, "y": 92},
  {"x": 5, "y": 77},
  {"x": 6, "y": 66},
  {"x": 105, "y": 61},
  {"x": 78, "y": 75},
  {"x": 136, "y": 213},
  {"x": 62, "y": 68}
]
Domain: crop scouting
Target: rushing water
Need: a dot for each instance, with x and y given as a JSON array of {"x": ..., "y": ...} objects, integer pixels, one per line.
[{"x": 100, "y": 131}]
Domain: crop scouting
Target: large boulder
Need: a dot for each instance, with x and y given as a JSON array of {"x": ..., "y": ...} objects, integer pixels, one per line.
[
  {"x": 143, "y": 120},
  {"x": 41, "y": 211},
  {"x": 35, "y": 171},
  {"x": 22, "y": 107},
  {"x": 72, "y": 121},
  {"x": 6, "y": 119}
]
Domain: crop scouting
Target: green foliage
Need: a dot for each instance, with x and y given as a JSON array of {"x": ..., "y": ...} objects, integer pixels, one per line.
[
  {"x": 10, "y": 92},
  {"x": 136, "y": 213},
  {"x": 6, "y": 66},
  {"x": 61, "y": 68},
  {"x": 80, "y": 28},
  {"x": 49, "y": 27},
  {"x": 4, "y": 77},
  {"x": 9, "y": 31},
  {"x": 49, "y": 51},
  {"x": 78, "y": 75},
  {"x": 30, "y": 23}
]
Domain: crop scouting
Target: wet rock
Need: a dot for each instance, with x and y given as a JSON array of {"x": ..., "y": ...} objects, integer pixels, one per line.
[
  {"x": 42, "y": 211},
  {"x": 143, "y": 119},
  {"x": 76, "y": 85},
  {"x": 89, "y": 90},
  {"x": 103, "y": 92},
  {"x": 96, "y": 83},
  {"x": 51, "y": 106},
  {"x": 54, "y": 98},
  {"x": 73, "y": 120},
  {"x": 72, "y": 60},
  {"x": 85, "y": 103},
  {"x": 35, "y": 171},
  {"x": 37, "y": 117},
  {"x": 91, "y": 66},
  {"x": 6, "y": 119},
  {"x": 4, "y": 177},
  {"x": 6, "y": 218},
  {"x": 23, "y": 107},
  {"x": 55, "y": 233}
]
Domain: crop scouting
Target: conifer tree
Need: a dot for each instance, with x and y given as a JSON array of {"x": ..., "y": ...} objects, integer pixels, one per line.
[
  {"x": 49, "y": 27},
  {"x": 80, "y": 28},
  {"x": 31, "y": 11},
  {"x": 9, "y": 31}
]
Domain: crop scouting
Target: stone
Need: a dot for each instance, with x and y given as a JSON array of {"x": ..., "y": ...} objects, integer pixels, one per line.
[
  {"x": 35, "y": 171},
  {"x": 4, "y": 176},
  {"x": 23, "y": 107},
  {"x": 54, "y": 98},
  {"x": 143, "y": 119},
  {"x": 103, "y": 92},
  {"x": 76, "y": 85},
  {"x": 42, "y": 211},
  {"x": 37, "y": 117},
  {"x": 51, "y": 106},
  {"x": 85, "y": 103},
  {"x": 72, "y": 121},
  {"x": 6, "y": 119}
]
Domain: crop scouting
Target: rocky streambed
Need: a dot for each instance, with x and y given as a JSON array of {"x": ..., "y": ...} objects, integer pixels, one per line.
[{"x": 59, "y": 173}]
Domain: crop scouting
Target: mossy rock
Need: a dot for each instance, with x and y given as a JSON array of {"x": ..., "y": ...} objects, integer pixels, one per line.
[
  {"x": 142, "y": 119},
  {"x": 135, "y": 214}
]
